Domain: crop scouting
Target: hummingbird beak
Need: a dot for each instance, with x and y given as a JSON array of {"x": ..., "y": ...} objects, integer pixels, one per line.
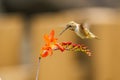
[{"x": 63, "y": 31}]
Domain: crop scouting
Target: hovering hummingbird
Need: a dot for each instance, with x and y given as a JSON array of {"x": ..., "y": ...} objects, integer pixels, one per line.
[{"x": 82, "y": 30}]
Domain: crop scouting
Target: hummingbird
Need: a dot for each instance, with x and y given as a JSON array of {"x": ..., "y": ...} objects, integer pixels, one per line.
[{"x": 82, "y": 30}]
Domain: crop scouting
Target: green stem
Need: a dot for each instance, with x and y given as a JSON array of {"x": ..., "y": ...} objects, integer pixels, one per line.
[{"x": 38, "y": 69}]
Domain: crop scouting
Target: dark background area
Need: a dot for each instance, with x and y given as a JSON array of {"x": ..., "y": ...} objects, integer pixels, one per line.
[{"x": 39, "y": 6}]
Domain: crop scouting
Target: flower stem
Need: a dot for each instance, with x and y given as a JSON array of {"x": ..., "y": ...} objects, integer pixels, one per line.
[{"x": 38, "y": 69}]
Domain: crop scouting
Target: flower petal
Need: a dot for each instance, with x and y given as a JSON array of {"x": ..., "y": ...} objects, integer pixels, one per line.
[
  {"x": 46, "y": 38},
  {"x": 44, "y": 53},
  {"x": 60, "y": 47},
  {"x": 51, "y": 36},
  {"x": 66, "y": 43}
]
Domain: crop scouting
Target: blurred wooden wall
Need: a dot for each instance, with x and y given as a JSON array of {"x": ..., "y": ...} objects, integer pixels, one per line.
[
  {"x": 11, "y": 34},
  {"x": 10, "y": 37},
  {"x": 106, "y": 50}
]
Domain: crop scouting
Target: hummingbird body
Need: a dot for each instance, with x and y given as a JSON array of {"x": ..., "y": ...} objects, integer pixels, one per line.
[{"x": 81, "y": 30}]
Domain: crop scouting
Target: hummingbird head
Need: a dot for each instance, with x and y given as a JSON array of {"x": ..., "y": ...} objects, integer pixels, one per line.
[{"x": 71, "y": 26}]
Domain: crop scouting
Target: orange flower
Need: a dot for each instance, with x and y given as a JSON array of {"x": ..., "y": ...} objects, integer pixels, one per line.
[{"x": 51, "y": 44}]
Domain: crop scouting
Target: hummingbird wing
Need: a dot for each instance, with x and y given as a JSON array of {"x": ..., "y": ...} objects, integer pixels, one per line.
[
  {"x": 86, "y": 25},
  {"x": 84, "y": 29},
  {"x": 87, "y": 31}
]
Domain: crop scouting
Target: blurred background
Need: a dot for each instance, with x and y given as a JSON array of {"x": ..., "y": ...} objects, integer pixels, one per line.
[{"x": 24, "y": 22}]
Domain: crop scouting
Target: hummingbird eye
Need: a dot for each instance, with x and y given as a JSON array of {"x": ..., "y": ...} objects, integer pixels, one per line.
[
  {"x": 70, "y": 25},
  {"x": 71, "y": 28}
]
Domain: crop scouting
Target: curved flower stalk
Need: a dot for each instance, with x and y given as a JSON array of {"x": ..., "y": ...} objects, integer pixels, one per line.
[
  {"x": 52, "y": 45},
  {"x": 69, "y": 46}
]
